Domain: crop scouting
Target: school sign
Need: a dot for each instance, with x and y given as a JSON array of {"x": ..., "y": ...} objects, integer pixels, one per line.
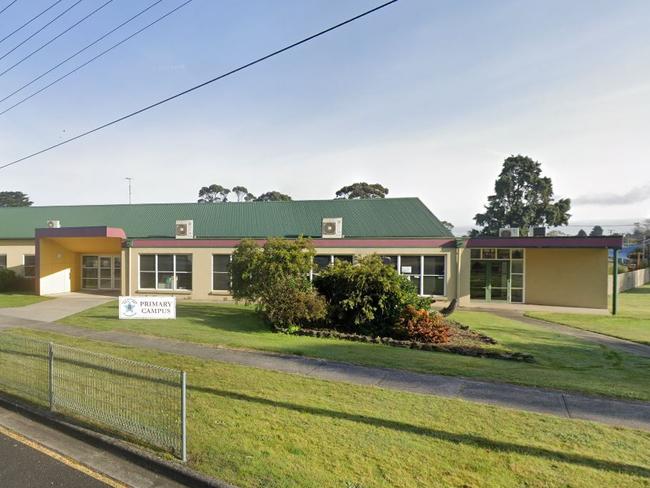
[{"x": 147, "y": 307}]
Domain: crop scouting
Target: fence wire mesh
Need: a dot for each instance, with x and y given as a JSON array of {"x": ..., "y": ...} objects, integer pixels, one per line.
[{"x": 141, "y": 400}]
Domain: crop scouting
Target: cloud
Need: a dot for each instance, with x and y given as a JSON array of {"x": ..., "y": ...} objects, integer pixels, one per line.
[{"x": 635, "y": 195}]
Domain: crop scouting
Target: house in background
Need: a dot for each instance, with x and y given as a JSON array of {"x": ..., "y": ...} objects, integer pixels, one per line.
[{"x": 184, "y": 250}]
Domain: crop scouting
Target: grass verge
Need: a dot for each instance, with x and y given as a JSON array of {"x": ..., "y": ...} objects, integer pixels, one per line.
[
  {"x": 562, "y": 362},
  {"x": 19, "y": 299},
  {"x": 631, "y": 323},
  {"x": 258, "y": 428}
]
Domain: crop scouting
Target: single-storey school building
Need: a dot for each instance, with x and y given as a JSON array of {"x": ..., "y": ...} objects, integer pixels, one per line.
[{"x": 184, "y": 249}]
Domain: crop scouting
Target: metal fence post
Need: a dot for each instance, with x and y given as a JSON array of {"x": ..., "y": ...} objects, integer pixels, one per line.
[
  {"x": 183, "y": 416},
  {"x": 50, "y": 375}
]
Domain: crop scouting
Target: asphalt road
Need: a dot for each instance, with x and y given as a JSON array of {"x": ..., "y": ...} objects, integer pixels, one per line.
[{"x": 25, "y": 467}]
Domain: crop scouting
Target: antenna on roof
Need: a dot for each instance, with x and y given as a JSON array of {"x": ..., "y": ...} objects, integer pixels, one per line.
[{"x": 129, "y": 179}]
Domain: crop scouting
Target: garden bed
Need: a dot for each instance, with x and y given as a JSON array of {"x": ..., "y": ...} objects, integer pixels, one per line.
[{"x": 463, "y": 341}]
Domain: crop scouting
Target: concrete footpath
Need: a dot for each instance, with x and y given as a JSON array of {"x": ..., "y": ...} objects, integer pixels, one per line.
[
  {"x": 634, "y": 414},
  {"x": 615, "y": 343}
]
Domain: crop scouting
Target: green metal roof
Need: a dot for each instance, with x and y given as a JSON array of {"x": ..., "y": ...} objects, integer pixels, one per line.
[{"x": 390, "y": 217}]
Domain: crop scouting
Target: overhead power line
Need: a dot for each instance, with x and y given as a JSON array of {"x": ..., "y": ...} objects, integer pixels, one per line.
[
  {"x": 65, "y": 31},
  {"x": 5, "y": 8},
  {"x": 86, "y": 63},
  {"x": 30, "y": 21},
  {"x": 41, "y": 29},
  {"x": 146, "y": 9},
  {"x": 201, "y": 85}
]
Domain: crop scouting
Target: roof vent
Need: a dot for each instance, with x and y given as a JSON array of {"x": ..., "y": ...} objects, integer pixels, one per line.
[
  {"x": 184, "y": 229},
  {"x": 332, "y": 228},
  {"x": 53, "y": 224}
]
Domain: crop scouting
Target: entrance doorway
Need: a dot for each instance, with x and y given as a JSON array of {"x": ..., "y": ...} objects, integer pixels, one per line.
[
  {"x": 497, "y": 275},
  {"x": 101, "y": 272},
  {"x": 490, "y": 280}
]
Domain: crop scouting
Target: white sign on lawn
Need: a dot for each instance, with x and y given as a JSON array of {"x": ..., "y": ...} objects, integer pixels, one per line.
[{"x": 147, "y": 307}]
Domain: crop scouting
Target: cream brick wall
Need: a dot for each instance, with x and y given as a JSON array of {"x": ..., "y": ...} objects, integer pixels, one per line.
[
  {"x": 15, "y": 250},
  {"x": 202, "y": 268}
]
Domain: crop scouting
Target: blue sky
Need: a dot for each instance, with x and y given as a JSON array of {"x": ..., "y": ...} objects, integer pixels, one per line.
[{"x": 426, "y": 97}]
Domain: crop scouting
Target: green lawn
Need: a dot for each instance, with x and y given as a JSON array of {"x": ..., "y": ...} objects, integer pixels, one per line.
[
  {"x": 258, "y": 428},
  {"x": 632, "y": 322},
  {"x": 561, "y": 361},
  {"x": 19, "y": 299}
]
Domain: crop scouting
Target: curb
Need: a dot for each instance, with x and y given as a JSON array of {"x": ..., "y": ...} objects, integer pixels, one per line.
[{"x": 174, "y": 471}]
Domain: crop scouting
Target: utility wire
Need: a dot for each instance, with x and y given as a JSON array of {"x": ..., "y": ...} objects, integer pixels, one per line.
[
  {"x": 30, "y": 20},
  {"x": 81, "y": 50},
  {"x": 41, "y": 29},
  {"x": 62, "y": 77},
  {"x": 201, "y": 85},
  {"x": 83, "y": 19},
  {"x": 10, "y": 4}
]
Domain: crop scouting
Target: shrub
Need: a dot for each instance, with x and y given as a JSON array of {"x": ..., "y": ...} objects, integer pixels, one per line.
[
  {"x": 423, "y": 326},
  {"x": 9, "y": 281},
  {"x": 368, "y": 297},
  {"x": 276, "y": 277},
  {"x": 292, "y": 307}
]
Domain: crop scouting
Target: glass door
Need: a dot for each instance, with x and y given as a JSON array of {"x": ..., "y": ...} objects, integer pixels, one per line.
[
  {"x": 478, "y": 280},
  {"x": 498, "y": 279},
  {"x": 101, "y": 272},
  {"x": 489, "y": 280}
]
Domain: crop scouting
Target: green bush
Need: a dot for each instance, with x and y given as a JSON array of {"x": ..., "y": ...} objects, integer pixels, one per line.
[
  {"x": 276, "y": 278},
  {"x": 289, "y": 306},
  {"x": 9, "y": 281},
  {"x": 368, "y": 297}
]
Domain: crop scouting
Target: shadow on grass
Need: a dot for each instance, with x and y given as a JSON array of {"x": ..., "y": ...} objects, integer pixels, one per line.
[
  {"x": 468, "y": 439},
  {"x": 644, "y": 290}
]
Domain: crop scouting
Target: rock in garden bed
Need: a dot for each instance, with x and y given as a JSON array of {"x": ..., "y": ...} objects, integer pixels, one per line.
[{"x": 463, "y": 340}]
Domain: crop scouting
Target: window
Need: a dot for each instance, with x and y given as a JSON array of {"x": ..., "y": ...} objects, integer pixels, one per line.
[
  {"x": 3, "y": 261},
  {"x": 29, "y": 266},
  {"x": 221, "y": 272},
  {"x": 505, "y": 273},
  {"x": 90, "y": 272},
  {"x": 324, "y": 260},
  {"x": 433, "y": 277},
  {"x": 345, "y": 258},
  {"x": 389, "y": 261},
  {"x": 410, "y": 266},
  {"x": 166, "y": 271}
]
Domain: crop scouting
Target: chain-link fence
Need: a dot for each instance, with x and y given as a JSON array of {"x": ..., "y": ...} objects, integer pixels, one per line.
[{"x": 141, "y": 400}]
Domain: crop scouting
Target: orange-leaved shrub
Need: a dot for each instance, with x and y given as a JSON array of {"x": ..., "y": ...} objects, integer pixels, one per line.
[{"x": 423, "y": 326}]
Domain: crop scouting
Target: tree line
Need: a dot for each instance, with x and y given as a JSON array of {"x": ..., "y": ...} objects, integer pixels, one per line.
[
  {"x": 217, "y": 193},
  {"x": 522, "y": 198}
]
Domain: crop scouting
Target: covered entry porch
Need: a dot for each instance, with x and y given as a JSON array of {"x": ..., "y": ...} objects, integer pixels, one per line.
[
  {"x": 543, "y": 271},
  {"x": 74, "y": 259}
]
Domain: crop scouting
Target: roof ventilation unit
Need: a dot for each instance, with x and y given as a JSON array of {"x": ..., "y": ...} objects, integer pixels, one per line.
[
  {"x": 184, "y": 229},
  {"x": 539, "y": 231},
  {"x": 53, "y": 224},
  {"x": 509, "y": 232},
  {"x": 332, "y": 228}
]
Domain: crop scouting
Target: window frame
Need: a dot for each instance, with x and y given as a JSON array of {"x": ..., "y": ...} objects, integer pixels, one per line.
[
  {"x": 3, "y": 257},
  {"x": 494, "y": 252},
  {"x": 213, "y": 272},
  {"x": 26, "y": 266},
  {"x": 421, "y": 275},
  {"x": 175, "y": 273}
]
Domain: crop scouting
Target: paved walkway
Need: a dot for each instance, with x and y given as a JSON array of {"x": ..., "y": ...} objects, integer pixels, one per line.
[
  {"x": 58, "y": 307},
  {"x": 569, "y": 405},
  {"x": 605, "y": 340}
]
